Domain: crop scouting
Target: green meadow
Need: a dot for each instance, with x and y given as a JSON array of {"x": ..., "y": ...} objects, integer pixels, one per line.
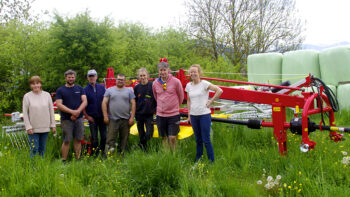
[{"x": 244, "y": 160}]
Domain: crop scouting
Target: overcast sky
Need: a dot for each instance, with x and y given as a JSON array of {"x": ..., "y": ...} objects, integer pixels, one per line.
[{"x": 326, "y": 20}]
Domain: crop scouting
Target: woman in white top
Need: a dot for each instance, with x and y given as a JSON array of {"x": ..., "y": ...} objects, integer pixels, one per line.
[
  {"x": 38, "y": 115},
  {"x": 198, "y": 105}
]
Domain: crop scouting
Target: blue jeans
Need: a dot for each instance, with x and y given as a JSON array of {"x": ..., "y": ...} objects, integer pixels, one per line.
[
  {"x": 37, "y": 143},
  {"x": 94, "y": 127},
  {"x": 201, "y": 127}
]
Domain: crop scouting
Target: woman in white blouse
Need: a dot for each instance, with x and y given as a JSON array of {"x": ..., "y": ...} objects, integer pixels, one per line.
[
  {"x": 199, "y": 110},
  {"x": 38, "y": 115}
]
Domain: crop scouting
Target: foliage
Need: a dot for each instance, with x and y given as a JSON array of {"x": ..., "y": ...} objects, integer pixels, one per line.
[
  {"x": 15, "y": 10},
  {"x": 79, "y": 44},
  {"x": 237, "y": 28},
  {"x": 82, "y": 43},
  {"x": 241, "y": 155},
  {"x": 21, "y": 57}
]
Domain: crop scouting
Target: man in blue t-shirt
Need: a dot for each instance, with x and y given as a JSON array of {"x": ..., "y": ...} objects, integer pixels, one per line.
[
  {"x": 93, "y": 112},
  {"x": 71, "y": 101}
]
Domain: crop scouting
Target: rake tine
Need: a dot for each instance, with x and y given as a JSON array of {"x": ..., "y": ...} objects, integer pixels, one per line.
[
  {"x": 16, "y": 140},
  {"x": 22, "y": 140},
  {"x": 19, "y": 135},
  {"x": 27, "y": 140},
  {"x": 10, "y": 139}
]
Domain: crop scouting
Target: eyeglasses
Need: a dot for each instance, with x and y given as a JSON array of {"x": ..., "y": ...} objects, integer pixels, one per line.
[
  {"x": 121, "y": 79},
  {"x": 91, "y": 75}
]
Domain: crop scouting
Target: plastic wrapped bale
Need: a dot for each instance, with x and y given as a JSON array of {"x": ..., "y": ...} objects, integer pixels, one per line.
[
  {"x": 333, "y": 88},
  {"x": 265, "y": 68},
  {"x": 296, "y": 65},
  {"x": 335, "y": 65},
  {"x": 343, "y": 92}
]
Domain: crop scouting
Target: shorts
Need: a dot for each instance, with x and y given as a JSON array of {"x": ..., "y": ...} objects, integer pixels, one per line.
[
  {"x": 72, "y": 129},
  {"x": 168, "y": 126}
]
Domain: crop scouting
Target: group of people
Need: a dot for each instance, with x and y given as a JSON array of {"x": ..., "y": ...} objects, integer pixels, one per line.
[{"x": 116, "y": 108}]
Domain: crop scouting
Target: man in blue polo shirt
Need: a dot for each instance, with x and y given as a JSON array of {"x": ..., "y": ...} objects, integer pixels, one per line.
[
  {"x": 71, "y": 101},
  {"x": 93, "y": 112}
]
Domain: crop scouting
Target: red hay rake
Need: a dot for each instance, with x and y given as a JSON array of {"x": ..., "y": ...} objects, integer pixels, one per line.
[{"x": 279, "y": 98}]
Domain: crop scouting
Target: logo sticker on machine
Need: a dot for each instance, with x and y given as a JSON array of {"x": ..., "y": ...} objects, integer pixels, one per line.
[{"x": 278, "y": 109}]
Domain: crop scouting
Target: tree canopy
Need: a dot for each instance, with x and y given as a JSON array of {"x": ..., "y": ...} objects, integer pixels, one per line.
[{"x": 220, "y": 36}]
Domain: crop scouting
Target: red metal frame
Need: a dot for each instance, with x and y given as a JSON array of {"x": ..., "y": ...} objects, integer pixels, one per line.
[{"x": 278, "y": 101}]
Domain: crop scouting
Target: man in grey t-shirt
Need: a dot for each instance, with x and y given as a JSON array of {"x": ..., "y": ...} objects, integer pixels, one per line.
[{"x": 116, "y": 113}]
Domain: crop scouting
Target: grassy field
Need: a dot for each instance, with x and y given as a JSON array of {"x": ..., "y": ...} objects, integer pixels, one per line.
[{"x": 243, "y": 159}]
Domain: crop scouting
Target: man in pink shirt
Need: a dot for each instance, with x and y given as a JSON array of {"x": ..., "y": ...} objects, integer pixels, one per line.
[{"x": 169, "y": 95}]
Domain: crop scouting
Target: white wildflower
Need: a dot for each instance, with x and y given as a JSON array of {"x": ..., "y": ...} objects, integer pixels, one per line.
[
  {"x": 345, "y": 153},
  {"x": 259, "y": 182},
  {"x": 264, "y": 170},
  {"x": 1, "y": 154},
  {"x": 269, "y": 179},
  {"x": 345, "y": 160},
  {"x": 276, "y": 182},
  {"x": 62, "y": 175},
  {"x": 269, "y": 185},
  {"x": 278, "y": 177}
]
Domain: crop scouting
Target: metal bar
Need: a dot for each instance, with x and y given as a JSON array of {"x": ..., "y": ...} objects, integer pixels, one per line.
[{"x": 249, "y": 83}]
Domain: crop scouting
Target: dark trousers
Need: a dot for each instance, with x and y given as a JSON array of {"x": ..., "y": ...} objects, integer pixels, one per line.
[
  {"x": 201, "y": 127},
  {"x": 143, "y": 121},
  {"x": 98, "y": 125},
  {"x": 117, "y": 128}
]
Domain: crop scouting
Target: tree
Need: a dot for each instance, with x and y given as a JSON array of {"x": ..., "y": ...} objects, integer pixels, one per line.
[
  {"x": 242, "y": 27},
  {"x": 205, "y": 23},
  {"x": 15, "y": 10},
  {"x": 21, "y": 49},
  {"x": 78, "y": 43}
]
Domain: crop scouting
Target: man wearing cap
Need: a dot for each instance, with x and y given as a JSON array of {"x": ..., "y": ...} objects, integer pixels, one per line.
[
  {"x": 71, "y": 101},
  {"x": 93, "y": 112}
]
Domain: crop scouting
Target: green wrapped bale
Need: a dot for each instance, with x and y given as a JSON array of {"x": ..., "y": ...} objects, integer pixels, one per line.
[
  {"x": 343, "y": 94},
  {"x": 265, "y": 68},
  {"x": 333, "y": 88},
  {"x": 335, "y": 65},
  {"x": 296, "y": 65}
]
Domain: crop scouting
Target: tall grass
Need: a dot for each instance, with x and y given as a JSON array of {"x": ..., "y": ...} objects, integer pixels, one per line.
[{"x": 241, "y": 154}]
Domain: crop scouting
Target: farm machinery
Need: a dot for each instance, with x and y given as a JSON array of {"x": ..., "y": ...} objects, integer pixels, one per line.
[
  {"x": 266, "y": 107},
  {"x": 269, "y": 107}
]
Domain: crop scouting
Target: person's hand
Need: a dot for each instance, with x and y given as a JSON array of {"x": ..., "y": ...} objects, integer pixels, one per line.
[
  {"x": 54, "y": 130},
  {"x": 30, "y": 131},
  {"x": 75, "y": 113},
  {"x": 106, "y": 119},
  {"x": 209, "y": 104},
  {"x": 90, "y": 119},
  {"x": 189, "y": 120},
  {"x": 131, "y": 121},
  {"x": 73, "y": 118}
]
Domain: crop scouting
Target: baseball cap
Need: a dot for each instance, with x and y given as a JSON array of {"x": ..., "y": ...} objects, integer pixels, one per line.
[{"x": 91, "y": 72}]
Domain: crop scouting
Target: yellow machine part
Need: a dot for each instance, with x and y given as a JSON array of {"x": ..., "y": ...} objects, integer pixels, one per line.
[{"x": 185, "y": 131}]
